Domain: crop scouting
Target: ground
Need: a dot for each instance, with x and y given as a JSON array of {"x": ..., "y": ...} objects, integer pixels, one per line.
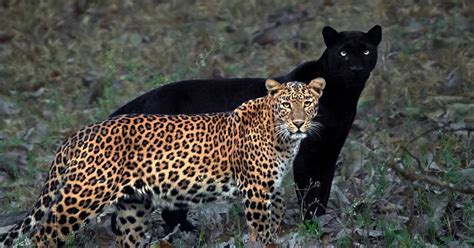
[{"x": 65, "y": 64}]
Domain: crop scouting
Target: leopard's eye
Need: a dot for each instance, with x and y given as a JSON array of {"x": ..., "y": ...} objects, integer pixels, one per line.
[
  {"x": 307, "y": 103},
  {"x": 286, "y": 104},
  {"x": 343, "y": 53},
  {"x": 366, "y": 52}
]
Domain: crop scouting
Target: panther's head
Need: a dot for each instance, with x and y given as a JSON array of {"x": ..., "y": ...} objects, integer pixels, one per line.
[
  {"x": 352, "y": 55},
  {"x": 294, "y": 106}
]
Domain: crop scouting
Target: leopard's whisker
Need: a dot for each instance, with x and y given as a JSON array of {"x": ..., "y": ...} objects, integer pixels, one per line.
[{"x": 315, "y": 129}]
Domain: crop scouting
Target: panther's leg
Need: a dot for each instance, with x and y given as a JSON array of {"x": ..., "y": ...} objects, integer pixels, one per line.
[
  {"x": 174, "y": 217},
  {"x": 313, "y": 171},
  {"x": 131, "y": 221}
]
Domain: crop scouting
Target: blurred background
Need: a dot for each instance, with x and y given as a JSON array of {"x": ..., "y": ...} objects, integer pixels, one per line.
[{"x": 65, "y": 64}]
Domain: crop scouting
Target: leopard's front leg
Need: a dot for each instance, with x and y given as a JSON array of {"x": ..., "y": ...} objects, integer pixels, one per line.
[
  {"x": 277, "y": 209},
  {"x": 277, "y": 212},
  {"x": 261, "y": 211}
]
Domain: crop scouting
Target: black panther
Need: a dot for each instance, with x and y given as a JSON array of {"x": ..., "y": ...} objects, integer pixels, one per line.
[{"x": 346, "y": 65}]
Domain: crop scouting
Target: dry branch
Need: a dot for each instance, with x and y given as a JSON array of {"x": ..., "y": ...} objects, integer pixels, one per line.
[{"x": 414, "y": 176}]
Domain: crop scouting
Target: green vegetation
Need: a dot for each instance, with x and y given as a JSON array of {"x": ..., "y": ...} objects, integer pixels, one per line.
[{"x": 310, "y": 229}]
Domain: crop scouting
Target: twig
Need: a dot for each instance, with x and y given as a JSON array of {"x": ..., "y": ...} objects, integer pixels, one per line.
[
  {"x": 444, "y": 128},
  {"x": 303, "y": 211},
  {"x": 421, "y": 135},
  {"x": 468, "y": 129},
  {"x": 411, "y": 208},
  {"x": 167, "y": 237},
  {"x": 413, "y": 176},
  {"x": 418, "y": 162}
]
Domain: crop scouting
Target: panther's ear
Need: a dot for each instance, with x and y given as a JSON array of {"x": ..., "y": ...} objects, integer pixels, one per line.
[
  {"x": 330, "y": 36},
  {"x": 375, "y": 34},
  {"x": 317, "y": 85},
  {"x": 272, "y": 86}
]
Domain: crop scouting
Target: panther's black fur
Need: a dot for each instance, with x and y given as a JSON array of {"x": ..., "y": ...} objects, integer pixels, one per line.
[{"x": 345, "y": 64}]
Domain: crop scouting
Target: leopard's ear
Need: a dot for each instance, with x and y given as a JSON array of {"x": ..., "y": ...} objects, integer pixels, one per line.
[
  {"x": 273, "y": 86},
  {"x": 317, "y": 85}
]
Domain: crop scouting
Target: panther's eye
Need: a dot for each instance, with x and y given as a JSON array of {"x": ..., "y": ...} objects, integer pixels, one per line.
[
  {"x": 286, "y": 104},
  {"x": 366, "y": 52},
  {"x": 343, "y": 53},
  {"x": 307, "y": 103}
]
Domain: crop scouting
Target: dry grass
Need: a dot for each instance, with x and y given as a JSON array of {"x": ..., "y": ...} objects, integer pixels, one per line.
[{"x": 64, "y": 64}]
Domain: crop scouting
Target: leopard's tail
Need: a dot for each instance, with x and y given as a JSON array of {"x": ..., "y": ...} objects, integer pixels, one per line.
[
  {"x": 21, "y": 229},
  {"x": 16, "y": 233},
  {"x": 42, "y": 208}
]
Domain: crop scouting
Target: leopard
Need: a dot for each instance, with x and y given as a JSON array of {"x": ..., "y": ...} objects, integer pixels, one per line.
[{"x": 136, "y": 163}]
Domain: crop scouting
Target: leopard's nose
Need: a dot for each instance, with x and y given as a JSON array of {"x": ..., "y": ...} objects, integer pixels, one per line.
[{"x": 298, "y": 123}]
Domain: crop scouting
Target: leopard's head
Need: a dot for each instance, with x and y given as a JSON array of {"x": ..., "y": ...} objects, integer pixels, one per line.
[{"x": 294, "y": 106}]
